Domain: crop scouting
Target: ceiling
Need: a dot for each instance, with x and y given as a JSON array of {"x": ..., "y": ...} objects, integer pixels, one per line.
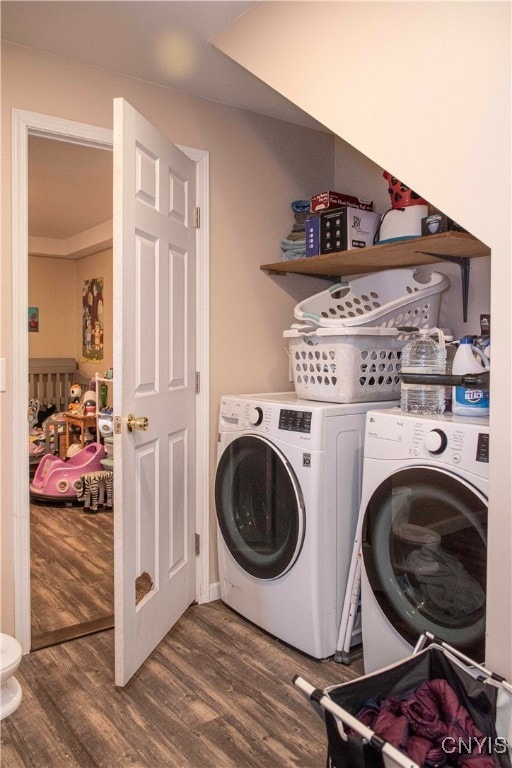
[
  {"x": 164, "y": 42},
  {"x": 69, "y": 188}
]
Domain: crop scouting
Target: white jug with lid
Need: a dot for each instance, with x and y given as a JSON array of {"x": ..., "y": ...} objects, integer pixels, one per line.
[{"x": 469, "y": 359}]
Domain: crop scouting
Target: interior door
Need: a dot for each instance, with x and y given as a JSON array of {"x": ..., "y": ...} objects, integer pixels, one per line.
[{"x": 154, "y": 314}]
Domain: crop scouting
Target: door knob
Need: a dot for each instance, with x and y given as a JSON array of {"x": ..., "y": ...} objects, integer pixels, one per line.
[{"x": 137, "y": 422}]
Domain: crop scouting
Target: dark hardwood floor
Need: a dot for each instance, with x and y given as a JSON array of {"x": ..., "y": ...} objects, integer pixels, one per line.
[
  {"x": 216, "y": 693},
  {"x": 72, "y": 572}
]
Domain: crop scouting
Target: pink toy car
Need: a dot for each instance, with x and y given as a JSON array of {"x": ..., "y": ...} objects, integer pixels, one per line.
[{"x": 59, "y": 480}]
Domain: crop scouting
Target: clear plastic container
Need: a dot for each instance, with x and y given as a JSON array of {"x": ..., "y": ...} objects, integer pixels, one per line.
[{"x": 424, "y": 355}]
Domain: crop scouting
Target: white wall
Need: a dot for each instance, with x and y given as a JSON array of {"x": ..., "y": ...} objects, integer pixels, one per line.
[
  {"x": 51, "y": 287},
  {"x": 55, "y": 286},
  {"x": 423, "y": 89},
  {"x": 257, "y": 167},
  {"x": 358, "y": 175}
]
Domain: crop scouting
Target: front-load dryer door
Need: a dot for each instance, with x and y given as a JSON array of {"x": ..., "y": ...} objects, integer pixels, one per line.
[
  {"x": 425, "y": 551},
  {"x": 260, "y": 509}
]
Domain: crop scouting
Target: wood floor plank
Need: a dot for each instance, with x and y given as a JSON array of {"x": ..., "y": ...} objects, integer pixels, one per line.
[
  {"x": 216, "y": 693},
  {"x": 72, "y": 579}
]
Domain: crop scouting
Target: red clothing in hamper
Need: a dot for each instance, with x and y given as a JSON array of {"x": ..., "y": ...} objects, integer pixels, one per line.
[{"x": 428, "y": 719}]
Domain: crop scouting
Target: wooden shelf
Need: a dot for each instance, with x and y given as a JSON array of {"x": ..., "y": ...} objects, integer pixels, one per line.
[{"x": 447, "y": 246}]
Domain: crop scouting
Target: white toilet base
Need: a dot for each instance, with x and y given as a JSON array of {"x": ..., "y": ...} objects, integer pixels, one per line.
[{"x": 10, "y": 697}]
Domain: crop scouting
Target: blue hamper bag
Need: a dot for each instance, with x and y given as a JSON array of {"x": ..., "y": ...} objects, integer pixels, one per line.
[{"x": 435, "y": 708}]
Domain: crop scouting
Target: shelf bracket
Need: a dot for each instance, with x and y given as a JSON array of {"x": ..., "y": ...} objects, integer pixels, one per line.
[{"x": 464, "y": 264}]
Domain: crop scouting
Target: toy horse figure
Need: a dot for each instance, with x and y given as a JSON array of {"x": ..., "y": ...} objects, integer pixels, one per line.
[{"x": 96, "y": 490}]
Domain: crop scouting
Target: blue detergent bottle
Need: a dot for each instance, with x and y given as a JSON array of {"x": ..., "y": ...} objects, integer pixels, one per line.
[{"x": 469, "y": 359}]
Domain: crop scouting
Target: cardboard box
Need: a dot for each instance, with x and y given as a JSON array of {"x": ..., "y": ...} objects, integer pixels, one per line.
[
  {"x": 438, "y": 222},
  {"x": 312, "y": 228},
  {"x": 347, "y": 228},
  {"x": 329, "y": 200}
]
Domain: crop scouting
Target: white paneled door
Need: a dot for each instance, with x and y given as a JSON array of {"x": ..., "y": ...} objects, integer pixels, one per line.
[{"x": 154, "y": 386}]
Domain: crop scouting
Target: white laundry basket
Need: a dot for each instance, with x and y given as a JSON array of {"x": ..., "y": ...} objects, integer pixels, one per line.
[
  {"x": 345, "y": 365},
  {"x": 388, "y": 299}
]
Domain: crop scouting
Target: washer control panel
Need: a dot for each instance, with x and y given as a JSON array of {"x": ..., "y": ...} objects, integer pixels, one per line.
[
  {"x": 295, "y": 425},
  {"x": 295, "y": 421},
  {"x": 450, "y": 440}
]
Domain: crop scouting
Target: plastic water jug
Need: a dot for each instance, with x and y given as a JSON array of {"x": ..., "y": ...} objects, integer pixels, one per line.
[
  {"x": 424, "y": 355},
  {"x": 469, "y": 359}
]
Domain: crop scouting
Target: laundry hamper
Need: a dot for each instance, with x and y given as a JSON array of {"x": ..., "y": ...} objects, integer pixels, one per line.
[
  {"x": 345, "y": 365},
  {"x": 475, "y": 735},
  {"x": 388, "y": 299}
]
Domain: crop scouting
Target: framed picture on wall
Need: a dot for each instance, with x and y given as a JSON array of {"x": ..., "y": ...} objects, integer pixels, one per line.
[
  {"x": 92, "y": 319},
  {"x": 33, "y": 319}
]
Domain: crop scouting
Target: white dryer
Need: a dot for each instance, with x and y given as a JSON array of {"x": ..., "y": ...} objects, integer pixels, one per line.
[
  {"x": 423, "y": 528},
  {"x": 287, "y": 493}
]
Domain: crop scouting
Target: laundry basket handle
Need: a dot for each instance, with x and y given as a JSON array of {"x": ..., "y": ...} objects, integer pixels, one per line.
[{"x": 339, "y": 286}]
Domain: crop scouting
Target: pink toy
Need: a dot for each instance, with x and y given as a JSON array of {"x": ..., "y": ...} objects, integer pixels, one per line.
[{"x": 59, "y": 480}]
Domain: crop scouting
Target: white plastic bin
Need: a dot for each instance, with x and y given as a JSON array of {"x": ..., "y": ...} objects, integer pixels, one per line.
[{"x": 345, "y": 365}]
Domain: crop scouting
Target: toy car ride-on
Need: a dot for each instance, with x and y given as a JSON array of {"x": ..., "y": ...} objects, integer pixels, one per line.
[{"x": 59, "y": 480}]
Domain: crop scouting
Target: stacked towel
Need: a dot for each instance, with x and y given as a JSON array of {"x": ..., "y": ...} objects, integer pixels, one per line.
[{"x": 293, "y": 246}]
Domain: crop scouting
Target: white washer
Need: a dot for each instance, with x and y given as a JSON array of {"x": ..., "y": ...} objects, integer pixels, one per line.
[
  {"x": 287, "y": 493},
  {"x": 423, "y": 530}
]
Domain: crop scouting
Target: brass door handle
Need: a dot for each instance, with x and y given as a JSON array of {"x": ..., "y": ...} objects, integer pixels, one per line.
[{"x": 137, "y": 422}]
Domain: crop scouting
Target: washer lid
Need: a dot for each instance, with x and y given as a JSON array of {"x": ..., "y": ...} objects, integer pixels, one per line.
[
  {"x": 425, "y": 555},
  {"x": 260, "y": 509}
]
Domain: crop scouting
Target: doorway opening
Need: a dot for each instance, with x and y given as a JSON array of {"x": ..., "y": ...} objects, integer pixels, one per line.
[{"x": 70, "y": 249}]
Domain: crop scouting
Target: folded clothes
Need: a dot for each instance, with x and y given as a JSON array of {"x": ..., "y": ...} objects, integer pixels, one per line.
[
  {"x": 300, "y": 220},
  {"x": 297, "y": 235},
  {"x": 293, "y": 249},
  {"x": 287, "y": 244}
]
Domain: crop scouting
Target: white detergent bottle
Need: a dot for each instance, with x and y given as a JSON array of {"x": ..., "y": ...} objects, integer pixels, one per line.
[{"x": 469, "y": 359}]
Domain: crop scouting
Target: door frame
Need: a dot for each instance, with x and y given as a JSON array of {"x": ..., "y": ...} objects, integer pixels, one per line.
[{"x": 32, "y": 123}]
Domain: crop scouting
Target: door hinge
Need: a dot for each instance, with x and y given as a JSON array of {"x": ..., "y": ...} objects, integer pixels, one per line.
[
  {"x": 198, "y": 382},
  {"x": 198, "y": 544},
  {"x": 198, "y": 218}
]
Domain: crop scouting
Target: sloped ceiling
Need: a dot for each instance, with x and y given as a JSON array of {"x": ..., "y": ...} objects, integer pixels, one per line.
[
  {"x": 163, "y": 42},
  {"x": 423, "y": 89}
]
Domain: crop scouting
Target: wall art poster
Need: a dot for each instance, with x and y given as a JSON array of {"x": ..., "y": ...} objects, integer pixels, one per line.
[
  {"x": 33, "y": 319},
  {"x": 92, "y": 319}
]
